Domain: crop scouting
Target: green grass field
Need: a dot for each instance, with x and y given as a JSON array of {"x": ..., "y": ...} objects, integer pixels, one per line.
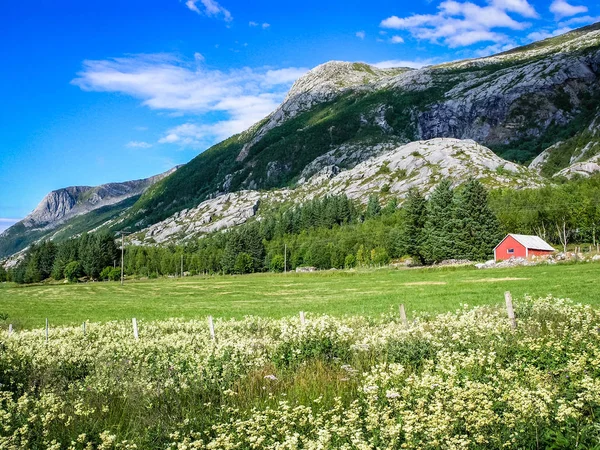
[{"x": 367, "y": 293}]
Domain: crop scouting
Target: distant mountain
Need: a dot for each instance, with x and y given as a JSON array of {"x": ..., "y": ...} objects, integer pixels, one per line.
[
  {"x": 66, "y": 212},
  {"x": 536, "y": 105}
]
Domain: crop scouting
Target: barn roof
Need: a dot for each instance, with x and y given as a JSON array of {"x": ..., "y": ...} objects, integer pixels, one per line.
[{"x": 531, "y": 242}]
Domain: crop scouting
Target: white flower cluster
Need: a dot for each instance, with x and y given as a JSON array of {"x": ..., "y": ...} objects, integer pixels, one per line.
[{"x": 462, "y": 380}]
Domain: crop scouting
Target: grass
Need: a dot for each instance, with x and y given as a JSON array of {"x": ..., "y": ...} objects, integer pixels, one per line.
[{"x": 368, "y": 293}]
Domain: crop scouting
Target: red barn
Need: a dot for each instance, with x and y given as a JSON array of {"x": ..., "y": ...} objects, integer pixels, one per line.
[{"x": 522, "y": 246}]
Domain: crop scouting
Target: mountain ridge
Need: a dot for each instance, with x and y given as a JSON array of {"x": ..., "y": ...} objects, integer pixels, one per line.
[
  {"x": 61, "y": 206},
  {"x": 540, "y": 99}
]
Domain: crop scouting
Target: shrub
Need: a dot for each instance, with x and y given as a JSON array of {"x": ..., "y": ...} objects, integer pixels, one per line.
[
  {"x": 277, "y": 263},
  {"x": 243, "y": 263},
  {"x": 73, "y": 271},
  {"x": 350, "y": 262}
]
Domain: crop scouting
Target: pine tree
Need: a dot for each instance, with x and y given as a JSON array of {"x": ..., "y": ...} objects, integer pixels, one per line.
[
  {"x": 438, "y": 243},
  {"x": 478, "y": 230},
  {"x": 373, "y": 207},
  {"x": 415, "y": 214}
]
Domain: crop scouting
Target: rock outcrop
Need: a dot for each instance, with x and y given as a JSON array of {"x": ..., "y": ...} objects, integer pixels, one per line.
[{"x": 418, "y": 164}]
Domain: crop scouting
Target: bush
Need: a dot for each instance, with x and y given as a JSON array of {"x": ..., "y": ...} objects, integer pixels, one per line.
[
  {"x": 105, "y": 274},
  {"x": 350, "y": 262},
  {"x": 115, "y": 274},
  {"x": 277, "y": 263},
  {"x": 380, "y": 256},
  {"x": 243, "y": 263},
  {"x": 73, "y": 271}
]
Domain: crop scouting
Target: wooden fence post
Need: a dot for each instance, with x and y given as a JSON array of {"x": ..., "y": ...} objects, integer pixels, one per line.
[
  {"x": 10, "y": 329},
  {"x": 46, "y": 330},
  {"x": 510, "y": 310},
  {"x": 84, "y": 328},
  {"x": 302, "y": 318},
  {"x": 135, "y": 329},
  {"x": 211, "y": 327},
  {"x": 403, "y": 315}
]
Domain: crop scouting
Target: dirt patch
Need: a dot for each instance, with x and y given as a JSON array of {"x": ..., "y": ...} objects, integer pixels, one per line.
[
  {"x": 495, "y": 280},
  {"x": 425, "y": 283}
]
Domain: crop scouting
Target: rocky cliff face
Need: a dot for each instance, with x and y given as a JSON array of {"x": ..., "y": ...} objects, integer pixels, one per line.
[
  {"x": 62, "y": 204},
  {"x": 56, "y": 213}
]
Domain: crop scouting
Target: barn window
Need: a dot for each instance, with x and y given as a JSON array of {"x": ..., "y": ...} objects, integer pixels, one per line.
[{"x": 511, "y": 250}]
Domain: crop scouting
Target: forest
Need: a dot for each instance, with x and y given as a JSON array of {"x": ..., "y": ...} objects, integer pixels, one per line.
[{"x": 464, "y": 222}]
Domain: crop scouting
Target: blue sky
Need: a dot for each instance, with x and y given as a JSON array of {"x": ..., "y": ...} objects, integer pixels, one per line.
[{"x": 94, "y": 92}]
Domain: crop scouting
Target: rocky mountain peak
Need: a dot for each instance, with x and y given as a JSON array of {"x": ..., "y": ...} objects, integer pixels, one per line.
[
  {"x": 335, "y": 76},
  {"x": 62, "y": 204}
]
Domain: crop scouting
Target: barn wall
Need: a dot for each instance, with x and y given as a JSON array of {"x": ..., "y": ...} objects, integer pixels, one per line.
[
  {"x": 539, "y": 253},
  {"x": 502, "y": 250}
]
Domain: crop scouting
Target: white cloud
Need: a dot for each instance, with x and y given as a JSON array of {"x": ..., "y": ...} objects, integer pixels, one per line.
[
  {"x": 459, "y": 24},
  {"x": 397, "y": 40},
  {"x": 140, "y": 128},
  {"x": 561, "y": 9},
  {"x": 199, "y": 57},
  {"x": 138, "y": 144},
  {"x": 361, "y": 34},
  {"x": 209, "y": 8},
  {"x": 545, "y": 34},
  {"x": 264, "y": 26},
  {"x": 581, "y": 20},
  {"x": 494, "y": 49},
  {"x": 238, "y": 98},
  {"x": 521, "y": 7}
]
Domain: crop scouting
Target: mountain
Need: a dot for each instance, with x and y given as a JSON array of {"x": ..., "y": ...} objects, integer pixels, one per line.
[
  {"x": 66, "y": 212},
  {"x": 517, "y": 103},
  {"x": 343, "y": 124},
  {"x": 421, "y": 164}
]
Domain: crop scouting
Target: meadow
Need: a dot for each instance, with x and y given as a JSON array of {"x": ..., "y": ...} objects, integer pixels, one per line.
[
  {"x": 460, "y": 380},
  {"x": 338, "y": 293}
]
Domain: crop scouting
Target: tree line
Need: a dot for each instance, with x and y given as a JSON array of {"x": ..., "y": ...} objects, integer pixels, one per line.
[
  {"x": 337, "y": 232},
  {"x": 86, "y": 256}
]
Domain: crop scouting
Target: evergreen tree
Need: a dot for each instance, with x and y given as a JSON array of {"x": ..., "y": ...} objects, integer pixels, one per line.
[
  {"x": 415, "y": 215},
  {"x": 3, "y": 274},
  {"x": 46, "y": 254},
  {"x": 438, "y": 242},
  {"x": 373, "y": 207},
  {"x": 32, "y": 273},
  {"x": 390, "y": 207},
  {"x": 477, "y": 229}
]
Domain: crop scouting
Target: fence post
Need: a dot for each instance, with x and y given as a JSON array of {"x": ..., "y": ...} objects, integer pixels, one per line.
[
  {"x": 403, "y": 315},
  {"x": 135, "y": 328},
  {"x": 46, "y": 330},
  {"x": 510, "y": 310},
  {"x": 211, "y": 327},
  {"x": 10, "y": 329},
  {"x": 84, "y": 328},
  {"x": 302, "y": 318}
]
